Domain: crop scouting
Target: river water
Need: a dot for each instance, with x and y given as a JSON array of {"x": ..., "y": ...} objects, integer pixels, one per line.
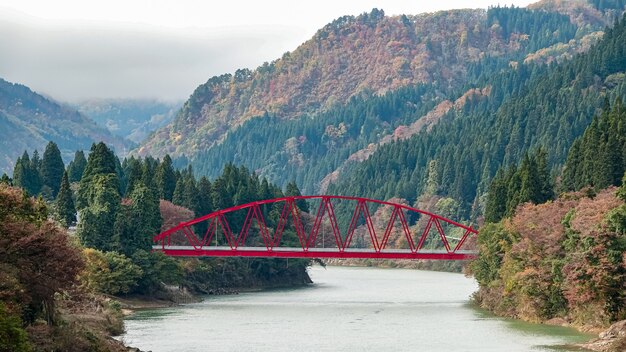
[{"x": 347, "y": 309}]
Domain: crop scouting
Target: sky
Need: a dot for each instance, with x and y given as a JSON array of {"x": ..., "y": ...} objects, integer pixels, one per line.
[{"x": 82, "y": 49}]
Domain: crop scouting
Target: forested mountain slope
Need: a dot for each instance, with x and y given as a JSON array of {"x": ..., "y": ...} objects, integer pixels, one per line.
[
  {"x": 28, "y": 121},
  {"x": 369, "y": 54},
  {"x": 529, "y": 107},
  {"x": 310, "y": 148}
]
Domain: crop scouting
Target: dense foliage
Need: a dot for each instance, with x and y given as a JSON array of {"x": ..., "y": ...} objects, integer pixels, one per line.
[
  {"x": 598, "y": 157},
  {"x": 123, "y": 205},
  {"x": 529, "y": 107},
  {"x": 567, "y": 258},
  {"x": 37, "y": 262},
  {"x": 531, "y": 182},
  {"x": 560, "y": 259}
]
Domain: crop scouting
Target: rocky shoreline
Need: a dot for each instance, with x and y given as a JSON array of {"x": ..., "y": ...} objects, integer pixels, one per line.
[{"x": 612, "y": 339}]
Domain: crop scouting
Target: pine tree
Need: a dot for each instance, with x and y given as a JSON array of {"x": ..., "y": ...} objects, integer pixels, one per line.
[
  {"x": 190, "y": 194},
  {"x": 97, "y": 217},
  {"x": 166, "y": 179},
  {"x": 52, "y": 168},
  {"x": 138, "y": 222},
  {"x": 205, "y": 203},
  {"x": 101, "y": 162},
  {"x": 546, "y": 186},
  {"x": 98, "y": 199},
  {"x": 77, "y": 167},
  {"x": 19, "y": 173},
  {"x": 133, "y": 173},
  {"x": 36, "y": 161},
  {"x": 621, "y": 192},
  {"x": 496, "y": 206},
  {"x": 204, "y": 196},
  {"x": 178, "y": 197},
  {"x": 6, "y": 179},
  {"x": 148, "y": 170},
  {"x": 293, "y": 190},
  {"x": 26, "y": 175},
  {"x": 65, "y": 210}
]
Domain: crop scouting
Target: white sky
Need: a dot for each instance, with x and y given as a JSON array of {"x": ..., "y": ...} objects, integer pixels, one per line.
[{"x": 76, "y": 49}]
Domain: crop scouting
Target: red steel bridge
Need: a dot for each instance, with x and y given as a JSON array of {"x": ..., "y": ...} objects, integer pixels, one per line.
[{"x": 219, "y": 240}]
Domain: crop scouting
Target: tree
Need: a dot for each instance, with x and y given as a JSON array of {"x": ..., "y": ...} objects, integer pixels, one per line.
[
  {"x": 37, "y": 257},
  {"x": 292, "y": 190},
  {"x": 13, "y": 337},
  {"x": 101, "y": 162},
  {"x": 178, "y": 197},
  {"x": 205, "y": 203},
  {"x": 52, "y": 168},
  {"x": 6, "y": 179},
  {"x": 65, "y": 210},
  {"x": 111, "y": 273},
  {"x": 133, "y": 173},
  {"x": 495, "y": 208},
  {"x": 621, "y": 192},
  {"x": 77, "y": 167},
  {"x": 138, "y": 222},
  {"x": 97, "y": 217},
  {"x": 166, "y": 179},
  {"x": 157, "y": 269},
  {"x": 26, "y": 175}
]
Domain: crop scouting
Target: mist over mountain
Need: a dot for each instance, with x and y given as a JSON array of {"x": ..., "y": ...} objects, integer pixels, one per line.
[
  {"x": 29, "y": 120},
  {"x": 133, "y": 119}
]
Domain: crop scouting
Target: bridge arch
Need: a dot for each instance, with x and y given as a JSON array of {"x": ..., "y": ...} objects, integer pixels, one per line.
[{"x": 235, "y": 245}]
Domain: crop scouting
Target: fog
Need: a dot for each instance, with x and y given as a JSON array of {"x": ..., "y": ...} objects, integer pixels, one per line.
[
  {"x": 75, "y": 49},
  {"x": 82, "y": 60}
]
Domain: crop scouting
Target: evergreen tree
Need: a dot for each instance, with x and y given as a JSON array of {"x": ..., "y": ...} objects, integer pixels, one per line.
[
  {"x": 621, "y": 192},
  {"x": 65, "y": 210},
  {"x": 133, "y": 174},
  {"x": 166, "y": 179},
  {"x": 52, "y": 168},
  {"x": 35, "y": 161},
  {"x": 26, "y": 175},
  {"x": 190, "y": 194},
  {"x": 205, "y": 204},
  {"x": 293, "y": 190},
  {"x": 98, "y": 215},
  {"x": 77, "y": 167},
  {"x": 597, "y": 157},
  {"x": 20, "y": 173},
  {"x": 138, "y": 222},
  {"x": 98, "y": 199},
  {"x": 178, "y": 197},
  {"x": 148, "y": 171},
  {"x": 101, "y": 162},
  {"x": 496, "y": 206},
  {"x": 6, "y": 179}
]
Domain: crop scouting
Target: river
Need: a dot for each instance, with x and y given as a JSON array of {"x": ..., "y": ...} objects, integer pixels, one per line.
[{"x": 347, "y": 309}]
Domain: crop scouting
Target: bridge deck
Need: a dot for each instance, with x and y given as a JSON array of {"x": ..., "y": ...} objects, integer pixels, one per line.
[{"x": 295, "y": 252}]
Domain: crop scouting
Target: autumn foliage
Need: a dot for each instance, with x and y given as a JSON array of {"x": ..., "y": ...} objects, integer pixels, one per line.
[
  {"x": 36, "y": 256},
  {"x": 561, "y": 259}
]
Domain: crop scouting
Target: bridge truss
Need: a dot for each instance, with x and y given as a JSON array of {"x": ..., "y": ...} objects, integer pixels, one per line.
[{"x": 294, "y": 234}]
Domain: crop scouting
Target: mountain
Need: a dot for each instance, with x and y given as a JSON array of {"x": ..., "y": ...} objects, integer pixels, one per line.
[
  {"x": 530, "y": 107},
  {"x": 29, "y": 120},
  {"x": 521, "y": 78},
  {"x": 367, "y": 54},
  {"x": 133, "y": 119}
]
